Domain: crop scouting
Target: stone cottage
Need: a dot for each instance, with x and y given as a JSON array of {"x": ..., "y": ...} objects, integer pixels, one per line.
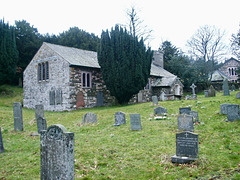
[{"x": 64, "y": 78}]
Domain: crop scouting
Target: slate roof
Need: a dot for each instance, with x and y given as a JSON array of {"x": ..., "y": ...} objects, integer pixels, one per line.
[{"x": 219, "y": 76}]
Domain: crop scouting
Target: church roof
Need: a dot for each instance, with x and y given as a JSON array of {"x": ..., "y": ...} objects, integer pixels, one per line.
[{"x": 219, "y": 76}]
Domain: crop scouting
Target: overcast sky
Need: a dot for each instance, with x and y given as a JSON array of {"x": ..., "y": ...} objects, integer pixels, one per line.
[{"x": 172, "y": 20}]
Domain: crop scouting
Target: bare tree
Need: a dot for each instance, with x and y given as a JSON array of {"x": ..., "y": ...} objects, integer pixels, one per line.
[{"x": 235, "y": 44}]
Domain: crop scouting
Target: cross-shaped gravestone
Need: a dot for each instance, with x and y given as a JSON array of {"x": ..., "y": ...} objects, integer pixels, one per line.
[{"x": 193, "y": 86}]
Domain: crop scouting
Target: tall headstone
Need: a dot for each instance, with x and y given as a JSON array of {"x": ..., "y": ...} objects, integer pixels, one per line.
[
  {"x": 1, "y": 142},
  {"x": 238, "y": 95},
  {"x": 160, "y": 110},
  {"x": 195, "y": 116},
  {"x": 155, "y": 100},
  {"x": 89, "y": 118},
  {"x": 206, "y": 93},
  {"x": 211, "y": 92},
  {"x": 226, "y": 88},
  {"x": 185, "y": 110},
  {"x": 233, "y": 112},
  {"x": 140, "y": 97},
  {"x": 186, "y": 147},
  {"x": 57, "y": 153},
  {"x": 39, "y": 115},
  {"x": 18, "y": 118},
  {"x": 100, "y": 98},
  {"x": 120, "y": 118},
  {"x": 135, "y": 120},
  {"x": 185, "y": 122},
  {"x": 223, "y": 108},
  {"x": 194, "y": 96}
]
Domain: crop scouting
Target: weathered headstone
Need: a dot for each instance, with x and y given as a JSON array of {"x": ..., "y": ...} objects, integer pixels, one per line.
[
  {"x": 225, "y": 88},
  {"x": 193, "y": 86},
  {"x": 100, "y": 98},
  {"x": 185, "y": 110},
  {"x": 233, "y": 112},
  {"x": 17, "y": 114},
  {"x": 160, "y": 110},
  {"x": 186, "y": 147},
  {"x": 195, "y": 115},
  {"x": 1, "y": 142},
  {"x": 135, "y": 120},
  {"x": 155, "y": 100},
  {"x": 238, "y": 95},
  {"x": 187, "y": 97},
  {"x": 185, "y": 122},
  {"x": 140, "y": 97},
  {"x": 206, "y": 93},
  {"x": 39, "y": 115},
  {"x": 57, "y": 153},
  {"x": 163, "y": 96},
  {"x": 211, "y": 92},
  {"x": 223, "y": 108},
  {"x": 120, "y": 118},
  {"x": 233, "y": 88},
  {"x": 89, "y": 118}
]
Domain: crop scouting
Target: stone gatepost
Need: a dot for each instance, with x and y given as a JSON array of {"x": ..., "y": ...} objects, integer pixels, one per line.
[{"x": 57, "y": 153}]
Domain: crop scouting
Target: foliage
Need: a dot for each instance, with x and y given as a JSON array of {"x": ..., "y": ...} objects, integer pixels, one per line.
[
  {"x": 125, "y": 63},
  {"x": 8, "y": 53},
  {"x": 104, "y": 151}
]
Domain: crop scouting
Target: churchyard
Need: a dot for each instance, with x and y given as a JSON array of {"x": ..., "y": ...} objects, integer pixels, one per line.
[{"x": 108, "y": 149}]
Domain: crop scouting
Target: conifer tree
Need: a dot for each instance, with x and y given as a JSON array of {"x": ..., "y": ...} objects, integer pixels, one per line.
[{"x": 125, "y": 63}]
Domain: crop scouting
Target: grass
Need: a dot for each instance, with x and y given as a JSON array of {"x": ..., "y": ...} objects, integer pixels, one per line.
[{"x": 104, "y": 151}]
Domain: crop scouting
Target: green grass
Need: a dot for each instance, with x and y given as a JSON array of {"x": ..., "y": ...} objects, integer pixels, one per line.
[{"x": 103, "y": 151}]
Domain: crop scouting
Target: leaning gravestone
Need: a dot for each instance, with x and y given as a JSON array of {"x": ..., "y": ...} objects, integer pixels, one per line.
[
  {"x": 233, "y": 112},
  {"x": 135, "y": 120},
  {"x": 206, "y": 93},
  {"x": 223, "y": 108},
  {"x": 89, "y": 118},
  {"x": 195, "y": 116},
  {"x": 39, "y": 115},
  {"x": 185, "y": 122},
  {"x": 17, "y": 114},
  {"x": 211, "y": 92},
  {"x": 155, "y": 100},
  {"x": 57, "y": 153},
  {"x": 1, "y": 142},
  {"x": 238, "y": 95},
  {"x": 119, "y": 118},
  {"x": 225, "y": 88},
  {"x": 185, "y": 110},
  {"x": 186, "y": 147},
  {"x": 160, "y": 110}
]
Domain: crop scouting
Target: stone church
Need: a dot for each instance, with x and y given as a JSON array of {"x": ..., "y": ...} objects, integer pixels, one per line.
[{"x": 64, "y": 78}]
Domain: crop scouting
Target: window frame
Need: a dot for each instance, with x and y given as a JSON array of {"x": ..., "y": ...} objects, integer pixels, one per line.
[
  {"x": 86, "y": 79},
  {"x": 43, "y": 71}
]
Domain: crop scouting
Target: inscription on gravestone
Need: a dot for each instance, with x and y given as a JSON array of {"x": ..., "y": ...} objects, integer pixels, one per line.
[
  {"x": 17, "y": 114},
  {"x": 155, "y": 100},
  {"x": 57, "y": 153},
  {"x": 89, "y": 118},
  {"x": 39, "y": 115},
  {"x": 120, "y": 118},
  {"x": 185, "y": 122},
  {"x": 233, "y": 112},
  {"x": 1, "y": 142},
  {"x": 185, "y": 110},
  {"x": 135, "y": 120},
  {"x": 160, "y": 110}
]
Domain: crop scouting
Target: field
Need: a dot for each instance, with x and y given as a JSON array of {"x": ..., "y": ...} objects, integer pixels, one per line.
[{"x": 104, "y": 151}]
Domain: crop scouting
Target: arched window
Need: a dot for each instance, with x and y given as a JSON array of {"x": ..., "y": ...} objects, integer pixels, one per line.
[{"x": 229, "y": 71}]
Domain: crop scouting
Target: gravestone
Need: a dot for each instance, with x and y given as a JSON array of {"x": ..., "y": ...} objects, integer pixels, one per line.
[
  {"x": 185, "y": 110},
  {"x": 238, "y": 95},
  {"x": 160, "y": 110},
  {"x": 155, "y": 100},
  {"x": 223, "y": 108},
  {"x": 163, "y": 96},
  {"x": 211, "y": 92},
  {"x": 233, "y": 88},
  {"x": 100, "y": 98},
  {"x": 140, "y": 97},
  {"x": 1, "y": 142},
  {"x": 186, "y": 147},
  {"x": 57, "y": 153},
  {"x": 89, "y": 118},
  {"x": 206, "y": 93},
  {"x": 195, "y": 116},
  {"x": 39, "y": 115},
  {"x": 187, "y": 97},
  {"x": 135, "y": 120},
  {"x": 193, "y": 86},
  {"x": 225, "y": 88},
  {"x": 185, "y": 122},
  {"x": 119, "y": 118},
  {"x": 17, "y": 114},
  {"x": 233, "y": 112}
]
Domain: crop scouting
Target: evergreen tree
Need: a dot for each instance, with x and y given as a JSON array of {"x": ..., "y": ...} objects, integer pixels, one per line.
[
  {"x": 8, "y": 53},
  {"x": 125, "y": 63}
]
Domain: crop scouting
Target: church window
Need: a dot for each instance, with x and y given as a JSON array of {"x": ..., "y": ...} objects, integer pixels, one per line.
[
  {"x": 43, "y": 71},
  {"x": 86, "y": 80}
]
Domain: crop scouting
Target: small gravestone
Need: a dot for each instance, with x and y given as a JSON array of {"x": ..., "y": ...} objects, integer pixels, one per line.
[
  {"x": 195, "y": 116},
  {"x": 211, "y": 92},
  {"x": 185, "y": 122},
  {"x": 238, "y": 95},
  {"x": 39, "y": 115},
  {"x": 185, "y": 110},
  {"x": 100, "y": 98},
  {"x": 186, "y": 147},
  {"x": 233, "y": 112},
  {"x": 119, "y": 118},
  {"x": 17, "y": 114},
  {"x": 223, "y": 108},
  {"x": 57, "y": 153},
  {"x": 155, "y": 100},
  {"x": 135, "y": 120},
  {"x": 1, "y": 142},
  {"x": 163, "y": 96},
  {"x": 187, "y": 97},
  {"x": 160, "y": 110},
  {"x": 89, "y": 118},
  {"x": 206, "y": 93},
  {"x": 233, "y": 88},
  {"x": 225, "y": 88}
]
